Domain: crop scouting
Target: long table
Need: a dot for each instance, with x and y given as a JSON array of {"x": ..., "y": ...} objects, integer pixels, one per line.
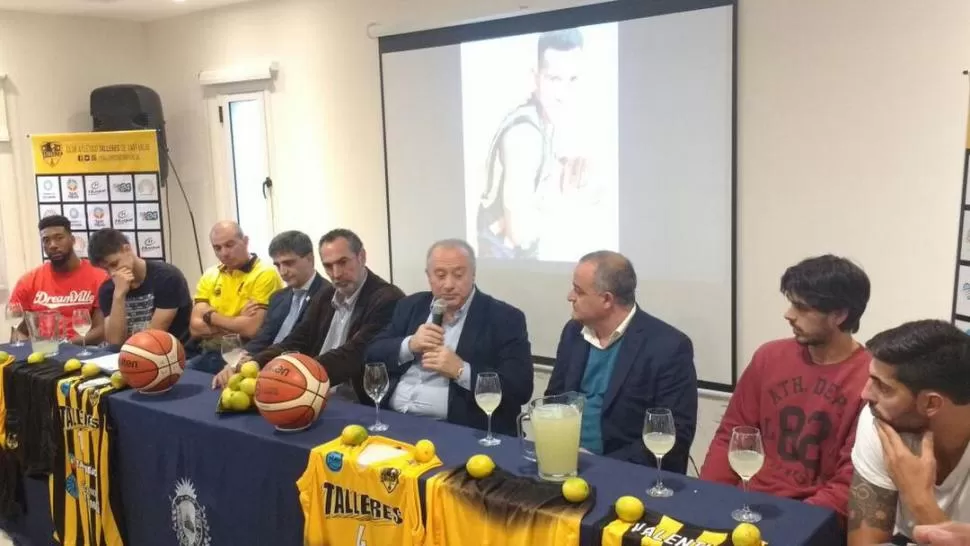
[{"x": 183, "y": 468}]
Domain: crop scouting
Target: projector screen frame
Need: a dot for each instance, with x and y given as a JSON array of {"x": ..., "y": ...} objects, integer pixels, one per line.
[{"x": 608, "y": 12}]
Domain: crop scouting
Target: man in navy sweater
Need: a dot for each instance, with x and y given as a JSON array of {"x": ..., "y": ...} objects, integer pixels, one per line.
[{"x": 624, "y": 361}]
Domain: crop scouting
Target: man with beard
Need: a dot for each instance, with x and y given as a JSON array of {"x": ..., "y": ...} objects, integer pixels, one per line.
[
  {"x": 912, "y": 466},
  {"x": 803, "y": 393},
  {"x": 64, "y": 283}
]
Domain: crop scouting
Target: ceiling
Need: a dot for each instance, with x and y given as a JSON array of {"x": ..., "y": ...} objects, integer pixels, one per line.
[{"x": 137, "y": 10}]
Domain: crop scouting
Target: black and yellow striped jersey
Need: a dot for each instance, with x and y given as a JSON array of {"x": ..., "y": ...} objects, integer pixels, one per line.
[
  {"x": 656, "y": 529},
  {"x": 84, "y": 507},
  {"x": 501, "y": 509},
  {"x": 29, "y": 394}
]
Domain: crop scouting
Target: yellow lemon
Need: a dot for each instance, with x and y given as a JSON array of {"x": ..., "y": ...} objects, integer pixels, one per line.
[
  {"x": 423, "y": 451},
  {"x": 225, "y": 398},
  {"x": 746, "y": 534},
  {"x": 72, "y": 365},
  {"x": 629, "y": 509},
  {"x": 90, "y": 370},
  {"x": 248, "y": 385},
  {"x": 118, "y": 380},
  {"x": 479, "y": 466},
  {"x": 36, "y": 358},
  {"x": 249, "y": 369},
  {"x": 239, "y": 401},
  {"x": 235, "y": 380},
  {"x": 4, "y": 356},
  {"x": 353, "y": 435},
  {"x": 575, "y": 489}
]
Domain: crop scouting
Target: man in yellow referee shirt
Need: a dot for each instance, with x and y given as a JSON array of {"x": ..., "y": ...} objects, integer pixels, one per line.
[{"x": 231, "y": 298}]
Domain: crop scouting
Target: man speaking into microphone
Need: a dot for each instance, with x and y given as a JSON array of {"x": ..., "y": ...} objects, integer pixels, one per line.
[{"x": 439, "y": 341}]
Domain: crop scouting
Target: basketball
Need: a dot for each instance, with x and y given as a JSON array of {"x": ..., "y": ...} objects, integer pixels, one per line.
[
  {"x": 151, "y": 361},
  {"x": 291, "y": 391}
]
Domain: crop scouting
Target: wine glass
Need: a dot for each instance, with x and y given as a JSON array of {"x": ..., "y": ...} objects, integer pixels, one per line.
[
  {"x": 659, "y": 437},
  {"x": 746, "y": 455},
  {"x": 376, "y": 385},
  {"x": 488, "y": 395},
  {"x": 14, "y": 312},
  {"x": 231, "y": 347},
  {"x": 81, "y": 320}
]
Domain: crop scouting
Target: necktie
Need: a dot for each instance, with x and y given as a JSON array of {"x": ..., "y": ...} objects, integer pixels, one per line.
[{"x": 299, "y": 296}]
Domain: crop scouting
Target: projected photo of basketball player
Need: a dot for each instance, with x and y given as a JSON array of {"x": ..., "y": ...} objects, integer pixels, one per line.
[{"x": 541, "y": 178}]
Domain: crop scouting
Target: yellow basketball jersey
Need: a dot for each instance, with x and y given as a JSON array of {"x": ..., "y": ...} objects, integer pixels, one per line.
[
  {"x": 655, "y": 529},
  {"x": 500, "y": 510},
  {"x": 349, "y": 501},
  {"x": 3, "y": 405},
  {"x": 80, "y": 487}
]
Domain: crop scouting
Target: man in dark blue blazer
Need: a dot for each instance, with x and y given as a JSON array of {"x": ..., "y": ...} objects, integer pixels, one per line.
[
  {"x": 624, "y": 361},
  {"x": 433, "y": 368},
  {"x": 292, "y": 254}
]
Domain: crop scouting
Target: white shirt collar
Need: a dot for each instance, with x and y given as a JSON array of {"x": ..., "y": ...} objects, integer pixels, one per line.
[{"x": 590, "y": 335}]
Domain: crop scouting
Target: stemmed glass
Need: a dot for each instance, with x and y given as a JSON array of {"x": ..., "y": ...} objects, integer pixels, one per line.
[
  {"x": 81, "y": 320},
  {"x": 14, "y": 313},
  {"x": 376, "y": 385},
  {"x": 488, "y": 395},
  {"x": 746, "y": 455},
  {"x": 659, "y": 437},
  {"x": 231, "y": 347}
]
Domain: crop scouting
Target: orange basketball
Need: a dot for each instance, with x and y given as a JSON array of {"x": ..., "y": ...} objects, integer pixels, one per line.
[
  {"x": 291, "y": 391},
  {"x": 151, "y": 361}
]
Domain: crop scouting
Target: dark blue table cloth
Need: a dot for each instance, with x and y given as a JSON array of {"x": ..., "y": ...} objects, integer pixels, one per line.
[{"x": 237, "y": 475}]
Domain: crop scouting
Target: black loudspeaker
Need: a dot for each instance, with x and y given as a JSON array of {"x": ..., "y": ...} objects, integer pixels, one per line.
[{"x": 128, "y": 107}]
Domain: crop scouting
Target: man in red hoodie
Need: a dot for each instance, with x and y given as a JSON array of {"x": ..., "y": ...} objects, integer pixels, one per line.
[{"x": 804, "y": 392}]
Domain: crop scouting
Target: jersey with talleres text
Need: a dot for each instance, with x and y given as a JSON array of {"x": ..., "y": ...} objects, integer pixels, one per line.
[
  {"x": 83, "y": 503},
  {"x": 655, "y": 529},
  {"x": 346, "y": 502}
]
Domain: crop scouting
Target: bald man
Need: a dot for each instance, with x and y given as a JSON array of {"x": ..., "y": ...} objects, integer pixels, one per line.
[
  {"x": 231, "y": 298},
  {"x": 623, "y": 361}
]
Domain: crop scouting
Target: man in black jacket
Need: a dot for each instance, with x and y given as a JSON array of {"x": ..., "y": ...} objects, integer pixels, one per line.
[{"x": 341, "y": 319}]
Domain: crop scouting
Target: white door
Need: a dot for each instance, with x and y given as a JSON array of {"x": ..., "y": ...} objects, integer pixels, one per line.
[{"x": 248, "y": 181}]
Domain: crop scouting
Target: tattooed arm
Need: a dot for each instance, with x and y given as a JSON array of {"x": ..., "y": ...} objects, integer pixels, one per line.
[{"x": 872, "y": 513}]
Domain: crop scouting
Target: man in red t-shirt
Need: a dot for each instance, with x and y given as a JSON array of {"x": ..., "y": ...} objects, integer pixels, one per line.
[
  {"x": 64, "y": 283},
  {"x": 804, "y": 392}
]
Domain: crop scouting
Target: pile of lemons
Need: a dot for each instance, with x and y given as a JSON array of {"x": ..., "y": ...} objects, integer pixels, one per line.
[{"x": 238, "y": 394}]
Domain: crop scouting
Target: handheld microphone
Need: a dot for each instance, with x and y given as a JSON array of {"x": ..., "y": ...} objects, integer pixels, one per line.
[{"x": 438, "y": 308}]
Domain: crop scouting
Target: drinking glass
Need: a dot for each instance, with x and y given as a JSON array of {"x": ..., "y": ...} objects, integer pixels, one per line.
[
  {"x": 488, "y": 395},
  {"x": 659, "y": 437},
  {"x": 14, "y": 313},
  {"x": 232, "y": 349},
  {"x": 746, "y": 454},
  {"x": 81, "y": 320},
  {"x": 376, "y": 385}
]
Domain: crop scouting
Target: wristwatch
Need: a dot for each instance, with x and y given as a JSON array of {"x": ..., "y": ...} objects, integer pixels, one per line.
[
  {"x": 207, "y": 317},
  {"x": 461, "y": 368}
]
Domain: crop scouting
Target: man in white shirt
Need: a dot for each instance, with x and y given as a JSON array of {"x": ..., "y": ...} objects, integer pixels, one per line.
[{"x": 912, "y": 466}]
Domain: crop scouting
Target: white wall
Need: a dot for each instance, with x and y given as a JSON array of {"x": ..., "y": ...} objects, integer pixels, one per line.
[{"x": 52, "y": 64}]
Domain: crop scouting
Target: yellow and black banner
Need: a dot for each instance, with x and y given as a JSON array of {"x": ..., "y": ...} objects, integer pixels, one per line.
[{"x": 102, "y": 180}]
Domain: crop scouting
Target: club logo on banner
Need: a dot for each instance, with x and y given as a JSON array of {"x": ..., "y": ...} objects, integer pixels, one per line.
[
  {"x": 188, "y": 516},
  {"x": 103, "y": 180}
]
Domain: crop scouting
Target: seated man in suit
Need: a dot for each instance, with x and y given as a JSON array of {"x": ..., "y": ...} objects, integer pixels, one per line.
[
  {"x": 241, "y": 282},
  {"x": 804, "y": 392},
  {"x": 341, "y": 319},
  {"x": 292, "y": 254},
  {"x": 432, "y": 368},
  {"x": 625, "y": 362}
]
